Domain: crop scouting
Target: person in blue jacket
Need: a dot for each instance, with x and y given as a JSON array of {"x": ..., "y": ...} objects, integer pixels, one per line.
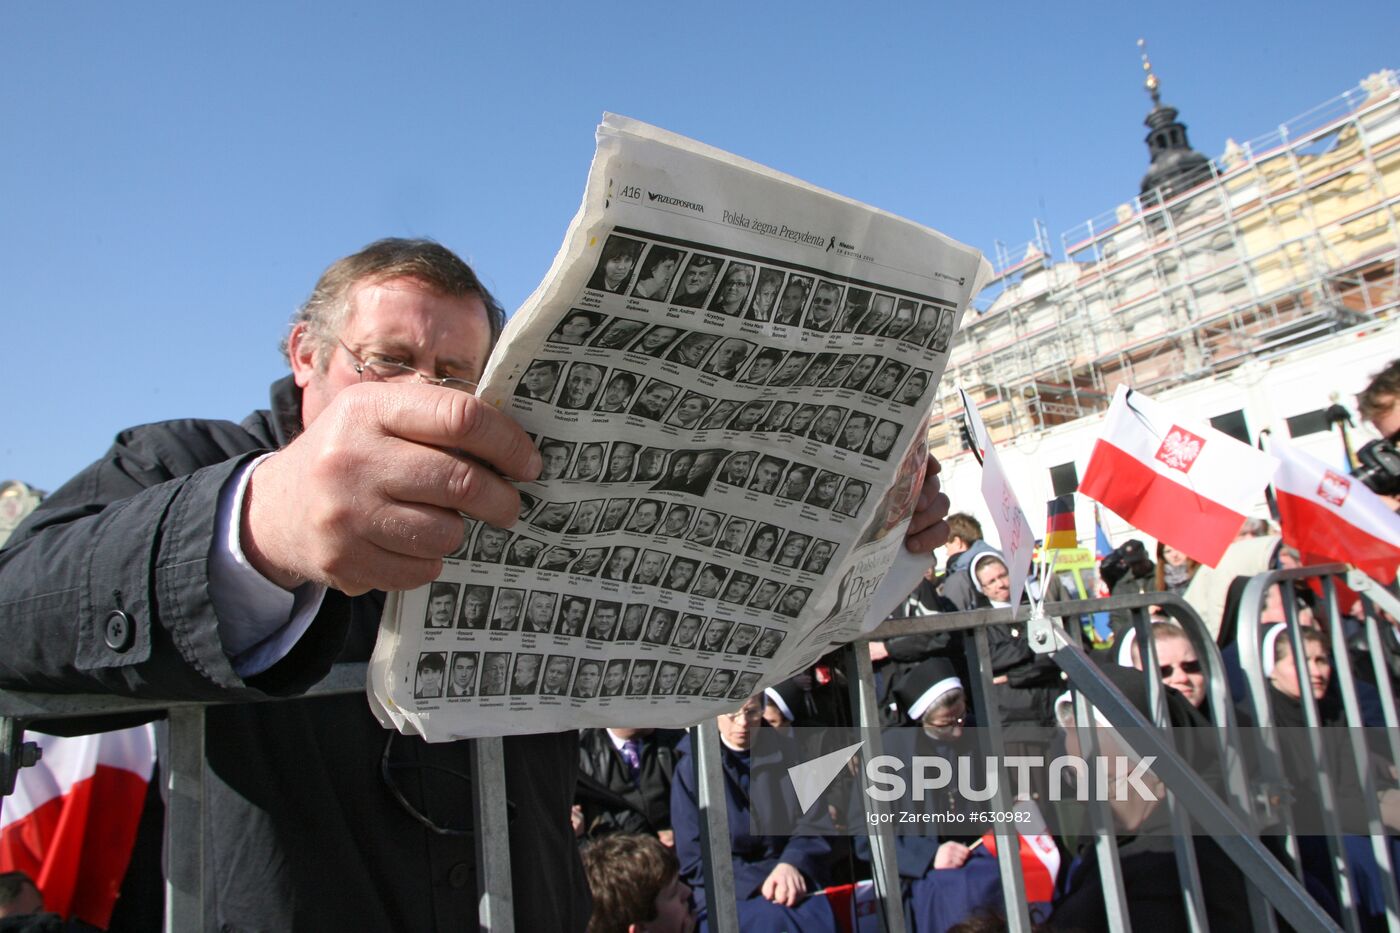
[{"x": 774, "y": 876}]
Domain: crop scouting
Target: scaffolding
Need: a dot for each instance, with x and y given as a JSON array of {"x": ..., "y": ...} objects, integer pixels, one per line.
[{"x": 1294, "y": 237}]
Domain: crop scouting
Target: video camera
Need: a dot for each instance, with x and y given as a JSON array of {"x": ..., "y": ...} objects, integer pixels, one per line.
[{"x": 1379, "y": 467}]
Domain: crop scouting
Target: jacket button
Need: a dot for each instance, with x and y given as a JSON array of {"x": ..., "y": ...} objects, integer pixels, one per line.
[
  {"x": 118, "y": 632},
  {"x": 460, "y": 875}
]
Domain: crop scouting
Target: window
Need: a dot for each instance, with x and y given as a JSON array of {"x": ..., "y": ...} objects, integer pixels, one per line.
[
  {"x": 1064, "y": 478},
  {"x": 1309, "y": 422},
  {"x": 1233, "y": 424}
]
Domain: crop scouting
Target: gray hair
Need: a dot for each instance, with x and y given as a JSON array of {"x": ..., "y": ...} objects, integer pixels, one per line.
[{"x": 425, "y": 261}]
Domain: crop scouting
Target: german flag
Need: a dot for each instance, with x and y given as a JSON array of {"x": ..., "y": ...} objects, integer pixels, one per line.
[{"x": 1059, "y": 524}]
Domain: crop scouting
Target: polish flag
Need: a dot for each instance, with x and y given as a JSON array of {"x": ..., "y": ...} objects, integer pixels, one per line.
[
  {"x": 1334, "y": 516},
  {"x": 71, "y": 822},
  {"x": 1182, "y": 482},
  {"x": 1040, "y": 857}
]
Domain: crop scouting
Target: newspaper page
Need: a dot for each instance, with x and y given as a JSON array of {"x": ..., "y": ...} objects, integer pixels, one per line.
[{"x": 728, "y": 374}]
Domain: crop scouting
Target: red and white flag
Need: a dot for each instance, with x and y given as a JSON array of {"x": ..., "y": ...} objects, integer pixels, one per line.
[
  {"x": 1181, "y": 481},
  {"x": 1333, "y": 516},
  {"x": 71, "y": 822}
]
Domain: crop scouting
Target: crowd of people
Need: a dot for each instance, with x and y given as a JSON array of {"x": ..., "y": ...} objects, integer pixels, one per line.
[{"x": 221, "y": 561}]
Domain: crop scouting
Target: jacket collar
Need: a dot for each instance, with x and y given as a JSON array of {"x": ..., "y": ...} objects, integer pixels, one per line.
[{"x": 286, "y": 410}]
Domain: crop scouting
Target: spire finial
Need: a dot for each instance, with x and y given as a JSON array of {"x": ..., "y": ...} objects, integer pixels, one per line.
[{"x": 1151, "y": 82}]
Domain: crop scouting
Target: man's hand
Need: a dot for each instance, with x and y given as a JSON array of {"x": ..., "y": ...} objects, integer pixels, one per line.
[
  {"x": 927, "y": 528},
  {"x": 368, "y": 497},
  {"x": 951, "y": 855},
  {"x": 784, "y": 885}
]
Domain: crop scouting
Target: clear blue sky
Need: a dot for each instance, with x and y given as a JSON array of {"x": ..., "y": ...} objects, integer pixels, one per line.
[{"x": 174, "y": 176}]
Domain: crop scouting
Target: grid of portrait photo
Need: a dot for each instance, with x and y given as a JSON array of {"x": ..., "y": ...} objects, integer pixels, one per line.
[{"x": 452, "y": 675}]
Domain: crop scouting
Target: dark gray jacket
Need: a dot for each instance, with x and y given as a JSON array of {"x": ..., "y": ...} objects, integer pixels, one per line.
[{"x": 304, "y": 830}]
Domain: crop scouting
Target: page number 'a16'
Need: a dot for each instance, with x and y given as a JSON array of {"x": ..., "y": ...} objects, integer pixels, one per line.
[{"x": 631, "y": 191}]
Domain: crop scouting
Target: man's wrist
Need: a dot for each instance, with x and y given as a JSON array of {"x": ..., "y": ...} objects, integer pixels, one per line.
[{"x": 254, "y": 542}]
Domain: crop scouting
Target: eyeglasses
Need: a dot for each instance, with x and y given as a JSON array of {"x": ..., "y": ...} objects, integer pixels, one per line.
[
  {"x": 949, "y": 724},
  {"x": 747, "y": 714},
  {"x": 1186, "y": 667},
  {"x": 383, "y": 369}
]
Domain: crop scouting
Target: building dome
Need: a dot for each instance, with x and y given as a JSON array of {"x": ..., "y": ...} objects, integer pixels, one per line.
[{"x": 1175, "y": 165}]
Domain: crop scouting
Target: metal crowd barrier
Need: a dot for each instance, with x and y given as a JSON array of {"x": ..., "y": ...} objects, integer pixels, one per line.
[
  {"x": 1329, "y": 619},
  {"x": 1231, "y": 820},
  {"x": 184, "y": 775}
]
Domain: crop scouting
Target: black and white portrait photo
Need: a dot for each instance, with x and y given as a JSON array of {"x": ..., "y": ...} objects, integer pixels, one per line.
[
  {"x": 573, "y": 614},
  {"x": 655, "y": 341},
  {"x": 427, "y": 682},
  {"x": 442, "y": 604},
  {"x": 557, "y": 669},
  {"x": 738, "y": 589},
  {"x": 658, "y": 269},
  {"x": 505, "y": 617},
  {"x": 476, "y": 607},
  {"x": 618, "y": 392},
  {"x": 589, "y": 678},
  {"x": 495, "y": 672},
  {"x": 554, "y": 459},
  {"x": 659, "y": 626},
  {"x": 693, "y": 680},
  {"x": 618, "y": 333},
  {"x": 733, "y": 291},
  {"x": 576, "y": 328},
  {"x": 540, "y": 380},
  {"x": 581, "y": 386},
  {"x": 793, "y": 600},
  {"x": 852, "y": 497},
  {"x": 524, "y": 552},
  {"x": 735, "y": 531},
  {"x": 826, "y": 302},
  {"x": 882, "y": 440},
  {"x": 656, "y": 396},
  {"x": 639, "y": 680},
  {"x": 668, "y": 677},
  {"x": 539, "y": 612},
  {"x": 696, "y": 281},
  {"x": 793, "y": 300},
  {"x": 616, "y": 264},
  {"x": 461, "y": 676},
  {"x": 525, "y": 675},
  {"x": 765, "y": 295},
  {"x": 603, "y": 625},
  {"x": 615, "y": 678},
  {"x": 490, "y": 546},
  {"x": 692, "y": 349}
]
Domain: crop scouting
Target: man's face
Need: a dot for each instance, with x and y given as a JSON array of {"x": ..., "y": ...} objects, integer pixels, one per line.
[
  {"x": 855, "y": 431},
  {"x": 590, "y": 461},
  {"x": 738, "y": 589},
  {"x": 582, "y": 382},
  {"x": 615, "y": 510},
  {"x": 641, "y": 677},
  {"x": 475, "y": 607},
  {"x": 687, "y": 630},
  {"x": 553, "y": 458},
  {"x": 739, "y": 466},
  {"x": 604, "y": 620},
  {"x": 793, "y": 296},
  {"x": 574, "y": 611},
  {"x": 705, "y": 527},
  {"x": 793, "y": 602},
  {"x": 540, "y": 380},
  {"x": 703, "y": 465},
  {"x": 644, "y": 517},
  {"x": 526, "y": 549},
  {"x": 556, "y": 674},
  {"x": 1388, "y": 421},
  {"x": 766, "y": 594},
  {"x": 620, "y": 461},
  {"x": 914, "y": 388},
  {"x": 861, "y": 370},
  {"x": 761, "y": 369},
  {"x": 883, "y": 438},
  {"x": 851, "y": 498},
  {"x": 656, "y": 339},
  {"x": 583, "y": 518},
  {"x": 616, "y": 393},
  {"x": 801, "y": 420},
  {"x": 821, "y": 553},
  {"x": 440, "y": 610},
  {"x": 507, "y": 605},
  {"x": 676, "y": 520},
  {"x": 541, "y": 609},
  {"x": 823, "y": 304},
  {"x": 698, "y": 279},
  {"x": 885, "y": 382},
  {"x": 791, "y": 368},
  {"x": 650, "y": 463},
  {"x": 651, "y": 566},
  {"x": 655, "y": 398},
  {"x": 463, "y": 670},
  {"x": 590, "y": 561},
  {"x": 828, "y": 422},
  {"x": 666, "y": 679},
  {"x": 401, "y": 319},
  {"x": 586, "y": 683},
  {"x": 621, "y": 560},
  {"x": 734, "y": 535},
  {"x": 765, "y": 475},
  {"x": 614, "y": 677}
]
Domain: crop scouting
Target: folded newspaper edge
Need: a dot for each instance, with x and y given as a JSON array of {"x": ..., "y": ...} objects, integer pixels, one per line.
[{"x": 729, "y": 374}]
